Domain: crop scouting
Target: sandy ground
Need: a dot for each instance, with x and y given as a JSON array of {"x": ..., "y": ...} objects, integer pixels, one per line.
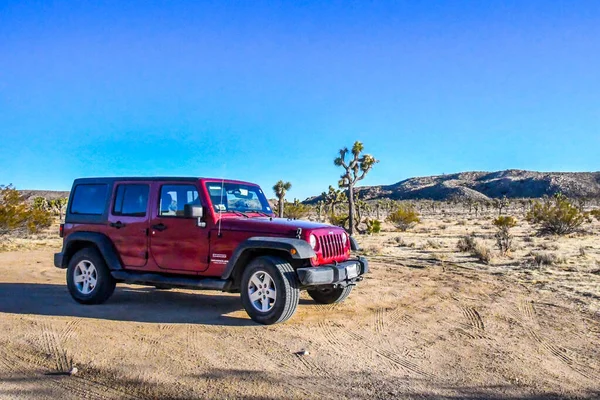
[{"x": 426, "y": 323}]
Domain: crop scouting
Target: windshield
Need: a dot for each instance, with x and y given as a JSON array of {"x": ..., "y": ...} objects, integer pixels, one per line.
[{"x": 237, "y": 197}]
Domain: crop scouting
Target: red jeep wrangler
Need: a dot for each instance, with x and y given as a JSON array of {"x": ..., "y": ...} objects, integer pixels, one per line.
[{"x": 202, "y": 234}]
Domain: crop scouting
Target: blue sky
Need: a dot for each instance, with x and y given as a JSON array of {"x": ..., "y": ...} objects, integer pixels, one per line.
[{"x": 263, "y": 91}]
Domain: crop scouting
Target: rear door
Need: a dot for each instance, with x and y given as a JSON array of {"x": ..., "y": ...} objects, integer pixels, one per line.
[
  {"x": 128, "y": 222},
  {"x": 177, "y": 243}
]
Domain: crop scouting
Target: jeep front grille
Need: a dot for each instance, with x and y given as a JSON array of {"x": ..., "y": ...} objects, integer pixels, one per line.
[{"x": 331, "y": 245}]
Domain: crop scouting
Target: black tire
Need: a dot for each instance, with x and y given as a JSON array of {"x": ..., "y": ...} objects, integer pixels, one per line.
[
  {"x": 287, "y": 292},
  {"x": 329, "y": 294},
  {"x": 105, "y": 283}
]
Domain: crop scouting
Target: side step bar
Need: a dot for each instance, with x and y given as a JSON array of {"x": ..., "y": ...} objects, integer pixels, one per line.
[{"x": 174, "y": 281}]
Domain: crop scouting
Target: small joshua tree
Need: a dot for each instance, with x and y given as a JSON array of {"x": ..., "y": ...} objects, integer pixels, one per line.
[
  {"x": 332, "y": 198},
  {"x": 503, "y": 234},
  {"x": 355, "y": 170},
  {"x": 280, "y": 189},
  {"x": 501, "y": 204}
]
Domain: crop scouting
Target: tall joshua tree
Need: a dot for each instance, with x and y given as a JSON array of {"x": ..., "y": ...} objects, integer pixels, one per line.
[
  {"x": 355, "y": 170},
  {"x": 280, "y": 189}
]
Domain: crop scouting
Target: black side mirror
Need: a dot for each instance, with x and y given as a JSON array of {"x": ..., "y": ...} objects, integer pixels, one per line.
[{"x": 193, "y": 211}]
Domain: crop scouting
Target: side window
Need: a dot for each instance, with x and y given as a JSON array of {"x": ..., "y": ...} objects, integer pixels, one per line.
[
  {"x": 131, "y": 200},
  {"x": 173, "y": 199},
  {"x": 89, "y": 199}
]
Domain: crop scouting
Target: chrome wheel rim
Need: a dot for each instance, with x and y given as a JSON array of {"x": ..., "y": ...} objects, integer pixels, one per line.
[
  {"x": 261, "y": 291},
  {"x": 85, "y": 277}
]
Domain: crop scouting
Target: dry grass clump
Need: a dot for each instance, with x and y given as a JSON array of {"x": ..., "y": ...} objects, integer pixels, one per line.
[
  {"x": 432, "y": 244},
  {"x": 483, "y": 253},
  {"x": 546, "y": 258},
  {"x": 372, "y": 250},
  {"x": 468, "y": 244},
  {"x": 549, "y": 246},
  {"x": 461, "y": 222}
]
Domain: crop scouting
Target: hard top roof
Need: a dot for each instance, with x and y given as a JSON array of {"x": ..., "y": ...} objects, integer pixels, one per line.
[{"x": 154, "y": 179}]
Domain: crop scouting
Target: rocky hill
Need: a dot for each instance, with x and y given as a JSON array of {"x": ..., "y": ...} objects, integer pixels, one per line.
[
  {"x": 48, "y": 194},
  {"x": 484, "y": 185}
]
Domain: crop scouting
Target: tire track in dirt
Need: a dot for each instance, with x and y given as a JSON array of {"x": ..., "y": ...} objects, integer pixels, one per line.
[
  {"x": 379, "y": 322},
  {"x": 357, "y": 338},
  {"x": 527, "y": 316},
  {"x": 294, "y": 361},
  {"x": 53, "y": 347},
  {"x": 73, "y": 385},
  {"x": 391, "y": 356},
  {"x": 474, "y": 325},
  {"x": 69, "y": 329}
]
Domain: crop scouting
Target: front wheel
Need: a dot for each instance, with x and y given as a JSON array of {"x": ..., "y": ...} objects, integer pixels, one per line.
[
  {"x": 329, "y": 294},
  {"x": 269, "y": 290}
]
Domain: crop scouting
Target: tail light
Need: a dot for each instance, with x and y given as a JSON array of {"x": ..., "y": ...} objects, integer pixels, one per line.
[{"x": 61, "y": 230}]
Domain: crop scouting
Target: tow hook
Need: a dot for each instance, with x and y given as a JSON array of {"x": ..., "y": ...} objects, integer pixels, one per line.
[{"x": 299, "y": 233}]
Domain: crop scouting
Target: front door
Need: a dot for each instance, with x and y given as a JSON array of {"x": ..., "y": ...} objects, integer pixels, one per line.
[
  {"x": 128, "y": 222},
  {"x": 176, "y": 242}
]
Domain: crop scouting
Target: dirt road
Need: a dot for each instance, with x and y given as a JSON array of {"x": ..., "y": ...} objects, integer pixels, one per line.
[{"x": 413, "y": 331}]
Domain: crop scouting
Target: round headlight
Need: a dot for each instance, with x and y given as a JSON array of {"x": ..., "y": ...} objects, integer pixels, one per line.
[
  {"x": 344, "y": 238},
  {"x": 312, "y": 240}
]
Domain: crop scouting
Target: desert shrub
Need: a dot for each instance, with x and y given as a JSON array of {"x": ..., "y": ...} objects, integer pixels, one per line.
[
  {"x": 528, "y": 239},
  {"x": 596, "y": 213},
  {"x": 503, "y": 225},
  {"x": 432, "y": 244},
  {"x": 339, "y": 220},
  {"x": 373, "y": 226},
  {"x": 544, "y": 258},
  {"x": 404, "y": 217},
  {"x": 17, "y": 217},
  {"x": 295, "y": 210},
  {"x": 466, "y": 244},
  {"x": 556, "y": 215}
]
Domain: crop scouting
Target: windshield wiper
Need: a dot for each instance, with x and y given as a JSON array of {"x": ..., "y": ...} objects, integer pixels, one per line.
[{"x": 239, "y": 213}]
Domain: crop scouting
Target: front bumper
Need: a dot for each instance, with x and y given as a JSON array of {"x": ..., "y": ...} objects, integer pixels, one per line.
[{"x": 344, "y": 273}]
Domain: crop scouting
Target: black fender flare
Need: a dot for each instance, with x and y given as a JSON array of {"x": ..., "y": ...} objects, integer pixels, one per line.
[
  {"x": 77, "y": 240},
  {"x": 297, "y": 249}
]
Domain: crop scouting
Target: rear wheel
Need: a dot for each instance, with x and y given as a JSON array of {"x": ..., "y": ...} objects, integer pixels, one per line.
[
  {"x": 269, "y": 290},
  {"x": 88, "y": 278},
  {"x": 329, "y": 294}
]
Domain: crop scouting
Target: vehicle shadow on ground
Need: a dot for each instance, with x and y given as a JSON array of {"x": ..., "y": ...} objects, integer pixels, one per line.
[{"x": 127, "y": 304}]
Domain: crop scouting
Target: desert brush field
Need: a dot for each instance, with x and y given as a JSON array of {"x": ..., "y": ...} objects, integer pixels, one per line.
[{"x": 429, "y": 321}]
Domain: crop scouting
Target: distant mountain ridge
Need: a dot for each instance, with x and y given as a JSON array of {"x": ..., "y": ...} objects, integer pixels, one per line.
[{"x": 485, "y": 185}]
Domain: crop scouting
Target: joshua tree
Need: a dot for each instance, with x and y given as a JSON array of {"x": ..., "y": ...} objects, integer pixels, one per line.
[
  {"x": 355, "y": 170},
  {"x": 320, "y": 206},
  {"x": 333, "y": 197},
  {"x": 280, "y": 189}
]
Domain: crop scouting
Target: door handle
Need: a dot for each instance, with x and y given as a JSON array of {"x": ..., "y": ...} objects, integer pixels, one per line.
[
  {"x": 117, "y": 224},
  {"x": 159, "y": 227}
]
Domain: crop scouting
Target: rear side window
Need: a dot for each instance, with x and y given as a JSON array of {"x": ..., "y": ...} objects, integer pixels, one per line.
[
  {"x": 89, "y": 199},
  {"x": 131, "y": 200}
]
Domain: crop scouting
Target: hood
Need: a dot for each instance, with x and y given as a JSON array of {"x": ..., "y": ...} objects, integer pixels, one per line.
[{"x": 274, "y": 226}]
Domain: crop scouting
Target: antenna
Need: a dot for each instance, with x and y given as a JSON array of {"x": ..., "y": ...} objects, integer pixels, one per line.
[{"x": 221, "y": 206}]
